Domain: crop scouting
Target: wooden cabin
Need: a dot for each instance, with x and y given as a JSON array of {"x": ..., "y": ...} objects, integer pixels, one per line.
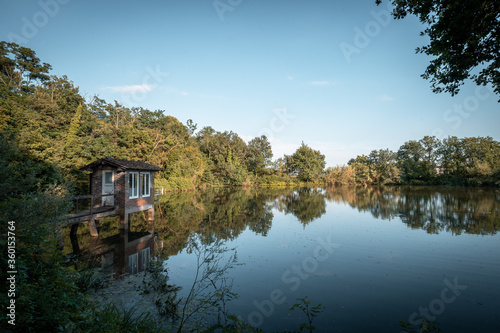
[{"x": 117, "y": 187}]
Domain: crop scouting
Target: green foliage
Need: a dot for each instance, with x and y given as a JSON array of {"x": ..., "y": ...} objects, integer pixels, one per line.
[
  {"x": 473, "y": 161},
  {"x": 46, "y": 294},
  {"x": 308, "y": 163},
  {"x": 226, "y": 154},
  {"x": 340, "y": 175},
  {"x": 211, "y": 289},
  {"x": 463, "y": 40},
  {"x": 311, "y": 312},
  {"x": 165, "y": 294},
  {"x": 259, "y": 155},
  {"x": 111, "y": 320},
  {"x": 91, "y": 279},
  {"x": 423, "y": 326}
]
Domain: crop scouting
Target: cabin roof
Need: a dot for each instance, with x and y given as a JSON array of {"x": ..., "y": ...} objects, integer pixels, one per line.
[{"x": 120, "y": 164}]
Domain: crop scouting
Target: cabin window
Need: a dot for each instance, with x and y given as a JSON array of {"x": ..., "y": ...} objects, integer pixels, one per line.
[
  {"x": 145, "y": 254},
  {"x": 145, "y": 184},
  {"x": 133, "y": 264},
  {"x": 133, "y": 185},
  {"x": 108, "y": 178}
]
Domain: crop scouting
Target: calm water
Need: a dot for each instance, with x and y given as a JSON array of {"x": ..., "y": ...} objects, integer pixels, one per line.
[{"x": 371, "y": 256}]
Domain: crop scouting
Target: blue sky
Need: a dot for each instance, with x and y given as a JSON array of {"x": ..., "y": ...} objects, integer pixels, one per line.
[{"x": 339, "y": 75}]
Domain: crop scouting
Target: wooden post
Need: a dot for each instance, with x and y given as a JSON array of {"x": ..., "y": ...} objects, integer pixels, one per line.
[
  {"x": 74, "y": 239},
  {"x": 93, "y": 244},
  {"x": 124, "y": 221},
  {"x": 74, "y": 229},
  {"x": 93, "y": 228},
  {"x": 151, "y": 219}
]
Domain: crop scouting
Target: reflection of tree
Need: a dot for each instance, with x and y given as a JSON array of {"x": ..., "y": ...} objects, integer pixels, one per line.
[
  {"x": 259, "y": 214},
  {"x": 177, "y": 216},
  {"x": 306, "y": 204},
  {"x": 474, "y": 211},
  {"x": 213, "y": 214}
]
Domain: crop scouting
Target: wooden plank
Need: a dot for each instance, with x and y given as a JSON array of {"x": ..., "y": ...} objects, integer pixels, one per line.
[
  {"x": 78, "y": 218},
  {"x": 86, "y": 196}
]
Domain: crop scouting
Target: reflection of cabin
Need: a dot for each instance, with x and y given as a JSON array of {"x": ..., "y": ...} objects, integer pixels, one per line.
[
  {"x": 126, "y": 252},
  {"x": 117, "y": 187}
]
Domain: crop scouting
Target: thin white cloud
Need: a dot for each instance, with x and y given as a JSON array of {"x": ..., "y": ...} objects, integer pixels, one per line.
[
  {"x": 289, "y": 77},
  {"x": 320, "y": 83},
  {"x": 175, "y": 91},
  {"x": 385, "y": 98},
  {"x": 142, "y": 88}
]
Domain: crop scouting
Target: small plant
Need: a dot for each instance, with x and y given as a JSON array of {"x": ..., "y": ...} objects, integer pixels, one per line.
[
  {"x": 91, "y": 278},
  {"x": 423, "y": 326},
  {"x": 310, "y": 312},
  {"x": 210, "y": 290},
  {"x": 165, "y": 294}
]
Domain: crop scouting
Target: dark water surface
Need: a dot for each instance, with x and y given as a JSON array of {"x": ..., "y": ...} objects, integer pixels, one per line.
[{"x": 371, "y": 256}]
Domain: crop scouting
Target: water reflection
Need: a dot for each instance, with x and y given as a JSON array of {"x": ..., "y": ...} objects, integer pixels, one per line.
[
  {"x": 223, "y": 214},
  {"x": 472, "y": 211},
  {"x": 119, "y": 254},
  {"x": 226, "y": 213}
]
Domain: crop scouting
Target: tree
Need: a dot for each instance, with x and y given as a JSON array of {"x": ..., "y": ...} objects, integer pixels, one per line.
[
  {"x": 259, "y": 154},
  {"x": 383, "y": 166},
  {"x": 226, "y": 154},
  {"x": 361, "y": 165},
  {"x": 191, "y": 126},
  {"x": 464, "y": 40},
  {"x": 74, "y": 127},
  {"x": 410, "y": 161},
  {"x": 309, "y": 163},
  {"x": 20, "y": 68}
]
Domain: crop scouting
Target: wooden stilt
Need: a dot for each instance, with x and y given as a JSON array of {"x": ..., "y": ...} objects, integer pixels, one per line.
[
  {"x": 74, "y": 230},
  {"x": 124, "y": 221},
  {"x": 151, "y": 220},
  {"x": 73, "y": 236},
  {"x": 93, "y": 228}
]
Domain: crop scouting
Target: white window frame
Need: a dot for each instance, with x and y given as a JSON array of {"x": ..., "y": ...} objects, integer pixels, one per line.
[
  {"x": 145, "y": 257},
  {"x": 145, "y": 185},
  {"x": 108, "y": 200},
  {"x": 133, "y": 185},
  {"x": 133, "y": 263}
]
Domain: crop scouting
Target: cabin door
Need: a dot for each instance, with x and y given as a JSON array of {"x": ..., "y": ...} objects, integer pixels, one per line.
[{"x": 108, "y": 187}]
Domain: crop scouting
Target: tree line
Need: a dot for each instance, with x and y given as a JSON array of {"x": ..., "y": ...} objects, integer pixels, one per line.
[
  {"x": 472, "y": 161},
  {"x": 47, "y": 118}
]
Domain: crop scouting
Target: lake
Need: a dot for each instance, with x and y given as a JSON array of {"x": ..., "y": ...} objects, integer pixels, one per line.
[{"x": 372, "y": 257}]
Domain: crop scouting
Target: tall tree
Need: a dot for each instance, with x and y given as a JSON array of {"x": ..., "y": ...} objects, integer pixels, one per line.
[
  {"x": 309, "y": 163},
  {"x": 464, "y": 40},
  {"x": 411, "y": 162},
  {"x": 259, "y": 154}
]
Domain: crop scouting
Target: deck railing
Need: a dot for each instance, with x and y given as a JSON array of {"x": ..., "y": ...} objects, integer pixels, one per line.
[
  {"x": 92, "y": 198},
  {"x": 157, "y": 191}
]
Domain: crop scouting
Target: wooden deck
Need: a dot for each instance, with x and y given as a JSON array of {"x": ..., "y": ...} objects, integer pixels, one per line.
[
  {"x": 95, "y": 212},
  {"x": 87, "y": 215}
]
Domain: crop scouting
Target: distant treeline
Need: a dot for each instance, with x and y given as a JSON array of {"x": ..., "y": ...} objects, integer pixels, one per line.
[
  {"x": 473, "y": 161},
  {"x": 50, "y": 122}
]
